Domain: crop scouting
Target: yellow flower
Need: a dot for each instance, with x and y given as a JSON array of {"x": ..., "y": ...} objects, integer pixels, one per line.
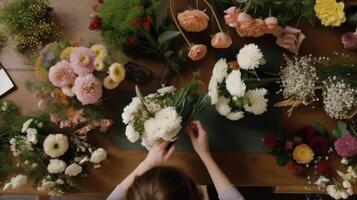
[
  {"x": 330, "y": 12},
  {"x": 100, "y": 51},
  {"x": 303, "y": 154},
  {"x": 66, "y": 53},
  {"x": 109, "y": 83},
  {"x": 117, "y": 72},
  {"x": 98, "y": 64}
]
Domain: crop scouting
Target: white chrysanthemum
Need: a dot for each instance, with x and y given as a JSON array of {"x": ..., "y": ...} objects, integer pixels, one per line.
[
  {"x": 56, "y": 166},
  {"x": 26, "y": 125},
  {"x": 98, "y": 156},
  {"x": 249, "y": 57},
  {"x": 168, "y": 89},
  {"x": 131, "y": 134},
  {"x": 31, "y": 135},
  {"x": 220, "y": 70},
  {"x": 130, "y": 109},
  {"x": 339, "y": 98},
  {"x": 222, "y": 106},
  {"x": 55, "y": 145},
  {"x": 16, "y": 182},
  {"x": 213, "y": 91},
  {"x": 234, "y": 84},
  {"x": 73, "y": 170},
  {"x": 235, "y": 116},
  {"x": 257, "y": 102}
]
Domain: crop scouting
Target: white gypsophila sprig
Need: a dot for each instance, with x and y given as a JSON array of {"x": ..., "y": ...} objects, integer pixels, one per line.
[
  {"x": 298, "y": 79},
  {"x": 339, "y": 98}
]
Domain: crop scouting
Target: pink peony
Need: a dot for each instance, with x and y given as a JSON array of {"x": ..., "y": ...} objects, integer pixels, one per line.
[
  {"x": 61, "y": 74},
  {"x": 197, "y": 52},
  {"x": 88, "y": 89},
  {"x": 346, "y": 145},
  {"x": 82, "y": 60},
  {"x": 231, "y": 16},
  {"x": 193, "y": 20},
  {"x": 291, "y": 39},
  {"x": 221, "y": 40}
]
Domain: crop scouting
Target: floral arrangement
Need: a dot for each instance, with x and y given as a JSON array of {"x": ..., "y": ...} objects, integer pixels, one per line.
[
  {"x": 30, "y": 23},
  {"x": 303, "y": 76},
  {"x": 161, "y": 115},
  {"x": 227, "y": 88},
  {"x": 308, "y": 151},
  {"x": 134, "y": 26},
  {"x": 52, "y": 152}
]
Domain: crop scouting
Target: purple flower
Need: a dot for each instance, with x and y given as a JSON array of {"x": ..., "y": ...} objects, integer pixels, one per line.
[
  {"x": 88, "y": 89},
  {"x": 61, "y": 74},
  {"x": 82, "y": 60},
  {"x": 346, "y": 146}
]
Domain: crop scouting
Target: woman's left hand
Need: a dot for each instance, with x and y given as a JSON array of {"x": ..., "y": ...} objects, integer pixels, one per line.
[{"x": 159, "y": 153}]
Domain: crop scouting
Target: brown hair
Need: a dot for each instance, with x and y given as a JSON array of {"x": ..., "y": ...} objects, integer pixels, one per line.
[{"x": 163, "y": 183}]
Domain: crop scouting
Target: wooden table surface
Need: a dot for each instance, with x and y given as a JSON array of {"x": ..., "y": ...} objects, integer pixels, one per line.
[{"x": 244, "y": 169}]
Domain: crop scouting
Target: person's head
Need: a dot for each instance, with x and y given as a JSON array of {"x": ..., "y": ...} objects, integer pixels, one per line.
[{"x": 163, "y": 183}]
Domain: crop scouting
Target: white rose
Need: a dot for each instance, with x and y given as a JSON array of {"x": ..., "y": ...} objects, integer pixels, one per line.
[
  {"x": 346, "y": 184},
  {"x": 168, "y": 89},
  {"x": 26, "y": 125},
  {"x": 222, "y": 106},
  {"x": 220, "y": 70},
  {"x": 234, "y": 84},
  {"x": 73, "y": 170},
  {"x": 31, "y": 135},
  {"x": 98, "y": 155},
  {"x": 235, "y": 116},
  {"x": 56, "y": 166},
  {"x": 131, "y": 134},
  {"x": 16, "y": 182}
]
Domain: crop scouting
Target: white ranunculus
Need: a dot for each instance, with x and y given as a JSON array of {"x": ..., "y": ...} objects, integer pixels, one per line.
[
  {"x": 26, "y": 125},
  {"x": 56, "y": 166},
  {"x": 235, "y": 116},
  {"x": 98, "y": 155},
  {"x": 130, "y": 109},
  {"x": 73, "y": 170},
  {"x": 213, "y": 91},
  {"x": 222, "y": 106},
  {"x": 55, "y": 145},
  {"x": 220, "y": 70},
  {"x": 234, "y": 84},
  {"x": 31, "y": 135},
  {"x": 250, "y": 57},
  {"x": 131, "y": 134},
  {"x": 168, "y": 121},
  {"x": 257, "y": 102},
  {"x": 346, "y": 184},
  {"x": 16, "y": 182},
  {"x": 168, "y": 89},
  {"x": 322, "y": 181}
]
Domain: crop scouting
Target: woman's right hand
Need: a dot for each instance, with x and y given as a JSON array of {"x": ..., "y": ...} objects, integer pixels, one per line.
[{"x": 199, "y": 138}]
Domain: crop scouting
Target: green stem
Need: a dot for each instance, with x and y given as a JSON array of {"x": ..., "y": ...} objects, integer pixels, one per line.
[
  {"x": 176, "y": 23},
  {"x": 214, "y": 15}
]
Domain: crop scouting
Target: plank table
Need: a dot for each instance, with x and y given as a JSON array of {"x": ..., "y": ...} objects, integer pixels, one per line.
[{"x": 244, "y": 169}]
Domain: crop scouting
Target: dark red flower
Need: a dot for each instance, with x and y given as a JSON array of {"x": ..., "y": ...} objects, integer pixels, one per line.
[
  {"x": 296, "y": 169},
  {"x": 96, "y": 23},
  {"x": 323, "y": 167},
  {"x": 95, "y": 7},
  {"x": 270, "y": 141},
  {"x": 148, "y": 18},
  {"x": 306, "y": 133},
  {"x": 136, "y": 22},
  {"x": 319, "y": 145},
  {"x": 146, "y": 25},
  {"x": 100, "y": 1},
  {"x": 130, "y": 42}
]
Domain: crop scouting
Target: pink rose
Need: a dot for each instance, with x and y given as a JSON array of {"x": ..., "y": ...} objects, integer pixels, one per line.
[
  {"x": 193, "y": 20},
  {"x": 349, "y": 40},
  {"x": 221, "y": 40},
  {"x": 291, "y": 39},
  {"x": 231, "y": 16},
  {"x": 197, "y": 52}
]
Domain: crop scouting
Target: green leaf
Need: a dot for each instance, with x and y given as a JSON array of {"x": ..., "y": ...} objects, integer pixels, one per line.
[
  {"x": 320, "y": 129},
  {"x": 340, "y": 129},
  {"x": 167, "y": 35},
  {"x": 282, "y": 158},
  {"x": 161, "y": 12}
]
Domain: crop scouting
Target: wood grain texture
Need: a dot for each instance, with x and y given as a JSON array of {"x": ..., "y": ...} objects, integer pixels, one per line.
[{"x": 244, "y": 169}]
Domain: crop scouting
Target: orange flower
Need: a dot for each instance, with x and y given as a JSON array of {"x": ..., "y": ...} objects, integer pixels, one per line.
[
  {"x": 197, "y": 52},
  {"x": 193, "y": 20},
  {"x": 303, "y": 154},
  {"x": 221, "y": 40}
]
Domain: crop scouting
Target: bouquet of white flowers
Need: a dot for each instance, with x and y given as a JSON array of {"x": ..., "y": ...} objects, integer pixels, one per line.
[
  {"x": 227, "y": 88},
  {"x": 161, "y": 115}
]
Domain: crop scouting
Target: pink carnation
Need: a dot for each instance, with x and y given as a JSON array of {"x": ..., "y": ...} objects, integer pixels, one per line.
[
  {"x": 62, "y": 74},
  {"x": 82, "y": 60},
  {"x": 88, "y": 89},
  {"x": 346, "y": 146}
]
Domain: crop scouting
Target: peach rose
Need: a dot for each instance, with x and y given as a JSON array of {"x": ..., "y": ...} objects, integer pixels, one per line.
[
  {"x": 252, "y": 28},
  {"x": 291, "y": 39},
  {"x": 197, "y": 52},
  {"x": 231, "y": 16},
  {"x": 193, "y": 20},
  {"x": 221, "y": 40},
  {"x": 273, "y": 26}
]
